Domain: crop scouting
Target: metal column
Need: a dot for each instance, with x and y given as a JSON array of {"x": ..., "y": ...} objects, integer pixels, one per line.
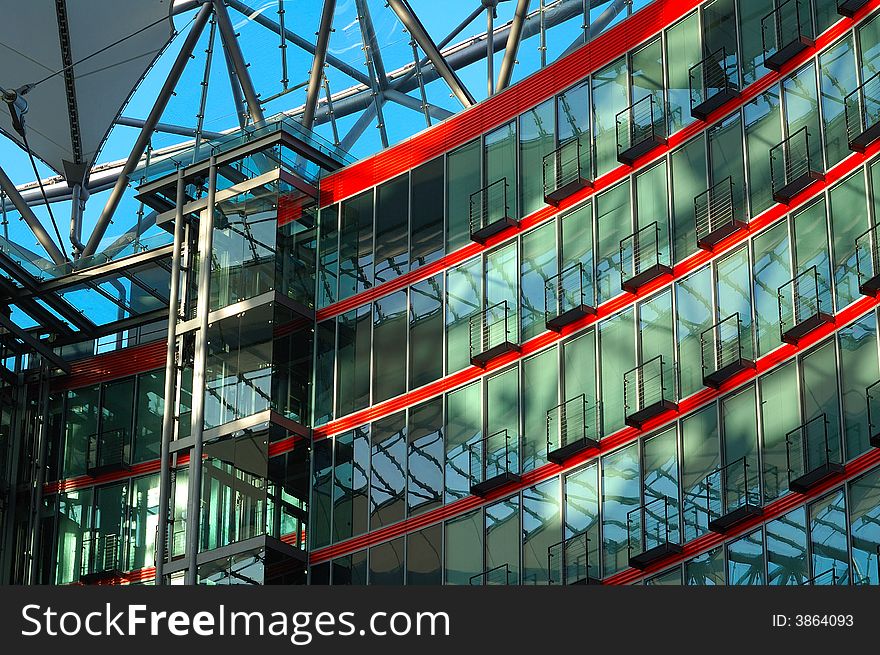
[
  {"x": 197, "y": 425},
  {"x": 168, "y": 426}
]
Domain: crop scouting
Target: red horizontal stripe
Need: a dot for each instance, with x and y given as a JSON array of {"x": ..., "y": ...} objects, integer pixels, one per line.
[
  {"x": 111, "y": 366},
  {"x": 612, "y": 442}
]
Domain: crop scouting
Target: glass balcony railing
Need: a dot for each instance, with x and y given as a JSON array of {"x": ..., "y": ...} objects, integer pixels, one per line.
[
  {"x": 722, "y": 353},
  {"x": 785, "y": 32},
  {"x": 490, "y": 211},
  {"x": 713, "y": 82},
  {"x": 100, "y": 557},
  {"x": 868, "y": 260},
  {"x": 567, "y": 169},
  {"x": 108, "y": 451},
  {"x": 640, "y": 258},
  {"x": 568, "y": 562},
  {"x": 568, "y": 296},
  {"x": 572, "y": 427},
  {"x": 498, "y": 575},
  {"x": 650, "y": 530},
  {"x": 862, "y": 113},
  {"x": 715, "y": 214},
  {"x": 872, "y": 395},
  {"x": 732, "y": 495},
  {"x": 648, "y": 391},
  {"x": 792, "y": 166},
  {"x": 810, "y": 457},
  {"x": 641, "y": 127},
  {"x": 492, "y": 333},
  {"x": 493, "y": 461},
  {"x": 802, "y": 306}
]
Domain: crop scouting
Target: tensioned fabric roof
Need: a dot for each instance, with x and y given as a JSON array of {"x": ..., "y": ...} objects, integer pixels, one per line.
[{"x": 86, "y": 57}]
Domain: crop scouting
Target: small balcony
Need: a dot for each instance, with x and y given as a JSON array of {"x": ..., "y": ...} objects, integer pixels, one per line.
[
  {"x": 862, "y": 112},
  {"x": 108, "y": 451},
  {"x": 640, "y": 260},
  {"x": 809, "y": 456},
  {"x": 868, "y": 261},
  {"x": 722, "y": 353},
  {"x": 732, "y": 495},
  {"x": 792, "y": 166},
  {"x": 641, "y": 127},
  {"x": 802, "y": 308},
  {"x": 785, "y": 32},
  {"x": 490, "y": 211},
  {"x": 568, "y": 296},
  {"x": 493, "y": 461},
  {"x": 872, "y": 395},
  {"x": 498, "y": 575},
  {"x": 649, "y": 532},
  {"x": 715, "y": 214},
  {"x": 568, "y": 562},
  {"x": 567, "y": 169},
  {"x": 849, "y": 8},
  {"x": 572, "y": 427},
  {"x": 492, "y": 333},
  {"x": 648, "y": 391},
  {"x": 713, "y": 82},
  {"x": 100, "y": 557}
]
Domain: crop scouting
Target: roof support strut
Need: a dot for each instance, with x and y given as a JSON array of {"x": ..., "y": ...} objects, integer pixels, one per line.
[
  {"x": 230, "y": 42},
  {"x": 316, "y": 75},
  {"x": 143, "y": 138},
  {"x": 512, "y": 47},
  {"x": 420, "y": 34},
  {"x": 30, "y": 218}
]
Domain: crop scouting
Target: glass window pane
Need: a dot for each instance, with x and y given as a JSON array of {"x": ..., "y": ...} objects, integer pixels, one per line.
[
  {"x": 772, "y": 269},
  {"x": 858, "y": 369},
  {"x": 542, "y": 527},
  {"x": 750, "y": 15},
  {"x": 849, "y": 219},
  {"x": 700, "y": 456},
  {"x": 537, "y": 135},
  {"x": 328, "y": 255},
  {"x": 356, "y": 245},
  {"x": 614, "y": 222},
  {"x": 388, "y": 470},
  {"x": 426, "y": 213},
  {"x": 425, "y": 331},
  {"x": 386, "y": 563},
  {"x": 864, "y": 518},
  {"x": 661, "y": 478},
  {"x": 392, "y": 229},
  {"x": 693, "y": 303},
  {"x": 503, "y": 534},
  {"x": 688, "y": 181},
  {"x": 464, "y": 177},
  {"x": 464, "y": 548},
  {"x": 610, "y": 96},
  {"x": 828, "y": 541},
  {"x": 501, "y": 146},
  {"x": 464, "y": 425},
  {"x": 617, "y": 356},
  {"x": 540, "y": 394},
  {"x": 353, "y": 360},
  {"x": 745, "y": 560},
  {"x": 837, "y": 70},
  {"x": 620, "y": 494},
  {"x": 682, "y": 51},
  {"x": 423, "y": 548},
  {"x": 787, "y": 549},
  {"x": 538, "y": 266},
  {"x": 763, "y": 125},
  {"x": 582, "y": 516},
  {"x": 706, "y": 569},
  {"x": 802, "y": 110},
  {"x": 426, "y": 453},
  {"x": 463, "y": 298},
  {"x": 389, "y": 346},
  {"x": 652, "y": 198},
  {"x": 780, "y": 413}
]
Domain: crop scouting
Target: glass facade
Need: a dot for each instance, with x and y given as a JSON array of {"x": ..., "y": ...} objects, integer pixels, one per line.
[{"x": 359, "y": 392}]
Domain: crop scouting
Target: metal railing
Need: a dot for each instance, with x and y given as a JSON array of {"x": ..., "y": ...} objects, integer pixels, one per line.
[
  {"x": 808, "y": 448},
  {"x": 639, "y": 252},
  {"x": 721, "y": 345},
  {"x": 872, "y": 396},
  {"x": 493, "y": 456},
  {"x": 791, "y": 165},
  {"x": 498, "y": 575},
  {"x": 647, "y": 526},
  {"x": 100, "y": 553},
  {"x": 828, "y": 577},
  {"x": 568, "y": 166},
  {"x": 712, "y": 81},
  {"x": 730, "y": 487},
  {"x": 862, "y": 113},
  {"x": 568, "y": 561},
  {"x": 639, "y": 127},
  {"x": 175, "y": 546},
  {"x": 574, "y": 421},
  {"x": 783, "y": 29},
  {"x": 490, "y": 328},
  {"x": 489, "y": 205},
  {"x": 647, "y": 385},
  {"x": 568, "y": 290},
  {"x": 108, "y": 450},
  {"x": 868, "y": 260},
  {"x": 715, "y": 213},
  {"x": 799, "y": 300}
]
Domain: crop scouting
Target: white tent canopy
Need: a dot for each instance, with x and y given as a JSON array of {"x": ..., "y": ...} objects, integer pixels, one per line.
[{"x": 111, "y": 44}]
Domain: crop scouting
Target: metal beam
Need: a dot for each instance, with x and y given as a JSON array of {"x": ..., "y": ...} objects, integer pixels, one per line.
[
  {"x": 41, "y": 348},
  {"x": 31, "y": 219},
  {"x": 167, "y": 128},
  {"x": 230, "y": 41},
  {"x": 419, "y": 33},
  {"x": 512, "y": 47},
  {"x": 317, "y": 73},
  {"x": 152, "y": 120}
]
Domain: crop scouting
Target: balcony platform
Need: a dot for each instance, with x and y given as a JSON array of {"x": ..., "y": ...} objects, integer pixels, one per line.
[
  {"x": 871, "y": 286},
  {"x": 702, "y": 110},
  {"x": 561, "y": 193},
  {"x": 849, "y": 8},
  {"x": 483, "y": 358},
  {"x": 860, "y": 142},
  {"x": 642, "y": 416},
  {"x": 484, "y": 233},
  {"x": 569, "y": 316},
  {"x": 715, "y": 379},
  {"x": 633, "y": 284},
  {"x": 559, "y": 455},
  {"x": 802, "y": 329},
  {"x": 712, "y": 239},
  {"x": 496, "y": 481},
  {"x": 734, "y": 517},
  {"x": 778, "y": 59},
  {"x": 640, "y": 149},
  {"x": 817, "y": 476},
  {"x": 786, "y": 193},
  {"x": 648, "y": 557}
]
